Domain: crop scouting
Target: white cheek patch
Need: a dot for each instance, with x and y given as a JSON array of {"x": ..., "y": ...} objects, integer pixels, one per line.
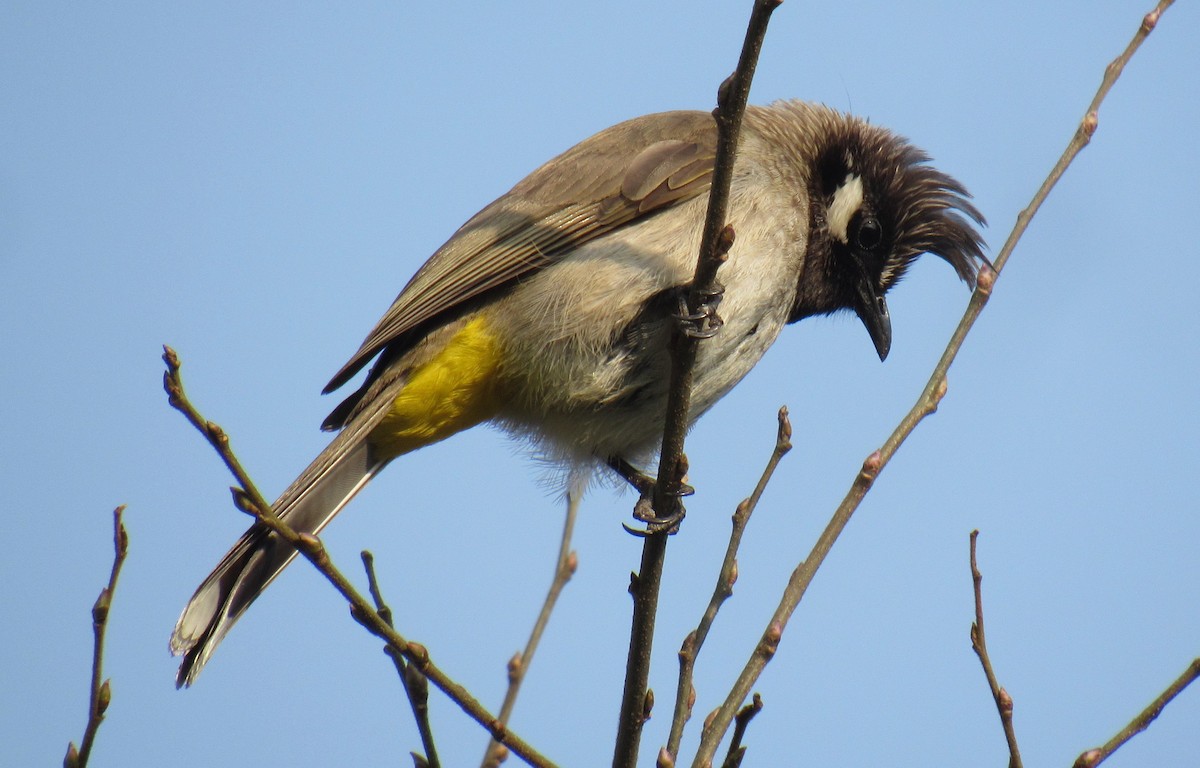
[{"x": 847, "y": 200}]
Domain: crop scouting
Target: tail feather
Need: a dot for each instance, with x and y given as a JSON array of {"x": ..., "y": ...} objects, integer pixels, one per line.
[{"x": 334, "y": 477}]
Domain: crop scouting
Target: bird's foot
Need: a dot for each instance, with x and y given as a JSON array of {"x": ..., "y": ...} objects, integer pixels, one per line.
[
  {"x": 643, "y": 510},
  {"x": 704, "y": 322}
]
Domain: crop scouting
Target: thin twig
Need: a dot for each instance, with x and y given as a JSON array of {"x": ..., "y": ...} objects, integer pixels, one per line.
[
  {"x": 685, "y": 694},
  {"x": 101, "y": 691},
  {"x": 518, "y": 667},
  {"x": 416, "y": 686},
  {"x": 714, "y": 248},
  {"x": 1004, "y": 702},
  {"x": 1087, "y": 127},
  {"x": 249, "y": 500},
  {"x": 733, "y": 758},
  {"x": 926, "y": 404},
  {"x": 1093, "y": 757}
]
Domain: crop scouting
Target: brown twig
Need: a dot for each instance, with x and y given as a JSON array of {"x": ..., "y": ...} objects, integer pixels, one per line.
[
  {"x": 1093, "y": 757},
  {"x": 733, "y": 758},
  {"x": 249, "y": 500},
  {"x": 1004, "y": 702},
  {"x": 101, "y": 690},
  {"x": 714, "y": 247},
  {"x": 518, "y": 666},
  {"x": 416, "y": 685},
  {"x": 1085, "y": 130},
  {"x": 926, "y": 404},
  {"x": 685, "y": 694}
]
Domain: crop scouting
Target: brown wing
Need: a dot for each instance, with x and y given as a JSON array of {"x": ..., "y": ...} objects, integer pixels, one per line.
[{"x": 607, "y": 181}]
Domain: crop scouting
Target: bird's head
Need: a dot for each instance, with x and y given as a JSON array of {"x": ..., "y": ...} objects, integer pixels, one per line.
[{"x": 875, "y": 205}]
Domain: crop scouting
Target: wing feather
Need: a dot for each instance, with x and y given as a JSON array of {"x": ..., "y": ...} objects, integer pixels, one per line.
[{"x": 608, "y": 181}]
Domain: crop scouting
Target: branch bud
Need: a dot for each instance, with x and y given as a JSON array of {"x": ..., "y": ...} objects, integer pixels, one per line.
[
  {"x": 120, "y": 535},
  {"x": 1087, "y": 128},
  {"x": 687, "y": 651},
  {"x": 101, "y": 606},
  {"x": 216, "y": 433},
  {"x": 498, "y": 756},
  {"x": 515, "y": 665},
  {"x": 870, "y": 468},
  {"x": 418, "y": 654},
  {"x": 104, "y": 697},
  {"x": 417, "y": 684},
  {"x": 985, "y": 281},
  {"x": 724, "y": 243},
  {"x": 1006, "y": 702},
  {"x": 770, "y": 639},
  {"x": 310, "y": 545},
  {"x": 499, "y": 730},
  {"x": 783, "y": 438},
  {"x": 242, "y": 501},
  {"x": 939, "y": 393}
]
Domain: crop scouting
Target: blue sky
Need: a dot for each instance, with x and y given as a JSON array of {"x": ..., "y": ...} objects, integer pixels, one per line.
[{"x": 253, "y": 183}]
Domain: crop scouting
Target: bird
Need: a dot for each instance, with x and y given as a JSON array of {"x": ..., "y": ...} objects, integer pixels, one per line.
[{"x": 548, "y": 313}]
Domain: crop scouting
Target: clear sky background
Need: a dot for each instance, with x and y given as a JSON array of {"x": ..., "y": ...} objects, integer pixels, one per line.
[{"x": 253, "y": 183}]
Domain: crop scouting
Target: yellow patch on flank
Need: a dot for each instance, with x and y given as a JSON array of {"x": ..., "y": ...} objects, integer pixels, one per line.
[{"x": 447, "y": 394}]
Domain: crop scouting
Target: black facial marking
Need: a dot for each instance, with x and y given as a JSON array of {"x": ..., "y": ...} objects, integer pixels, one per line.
[{"x": 908, "y": 208}]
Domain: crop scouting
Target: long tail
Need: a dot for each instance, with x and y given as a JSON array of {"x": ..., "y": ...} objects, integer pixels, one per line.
[{"x": 339, "y": 472}]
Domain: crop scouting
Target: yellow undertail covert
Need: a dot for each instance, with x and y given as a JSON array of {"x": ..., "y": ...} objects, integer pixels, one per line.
[{"x": 445, "y": 395}]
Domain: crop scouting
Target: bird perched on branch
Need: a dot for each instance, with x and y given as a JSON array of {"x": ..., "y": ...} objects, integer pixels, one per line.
[{"x": 549, "y": 312}]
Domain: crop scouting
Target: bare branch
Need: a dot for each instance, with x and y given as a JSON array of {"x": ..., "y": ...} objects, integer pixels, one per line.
[
  {"x": 926, "y": 404},
  {"x": 733, "y": 758},
  {"x": 518, "y": 667},
  {"x": 685, "y": 694},
  {"x": 1094, "y": 757},
  {"x": 1087, "y": 127},
  {"x": 249, "y": 500},
  {"x": 1004, "y": 702},
  {"x": 714, "y": 247},
  {"x": 416, "y": 686},
  {"x": 101, "y": 690}
]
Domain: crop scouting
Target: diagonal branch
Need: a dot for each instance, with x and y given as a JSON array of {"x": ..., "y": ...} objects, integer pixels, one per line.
[
  {"x": 733, "y": 758},
  {"x": 926, "y": 404},
  {"x": 249, "y": 500},
  {"x": 1093, "y": 757},
  {"x": 714, "y": 247},
  {"x": 685, "y": 694},
  {"x": 416, "y": 686},
  {"x": 1004, "y": 702},
  {"x": 101, "y": 691},
  {"x": 518, "y": 667}
]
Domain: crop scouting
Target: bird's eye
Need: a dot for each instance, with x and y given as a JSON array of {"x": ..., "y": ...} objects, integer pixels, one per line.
[{"x": 870, "y": 233}]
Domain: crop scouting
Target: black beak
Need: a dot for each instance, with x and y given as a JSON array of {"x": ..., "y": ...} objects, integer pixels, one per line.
[{"x": 872, "y": 310}]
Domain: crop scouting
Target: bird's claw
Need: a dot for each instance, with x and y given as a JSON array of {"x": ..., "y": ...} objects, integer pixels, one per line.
[
  {"x": 643, "y": 510},
  {"x": 704, "y": 322},
  {"x": 655, "y": 525}
]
